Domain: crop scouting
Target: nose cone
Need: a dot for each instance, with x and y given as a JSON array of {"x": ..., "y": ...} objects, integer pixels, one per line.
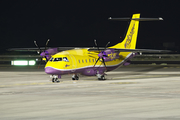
[{"x": 50, "y": 70}]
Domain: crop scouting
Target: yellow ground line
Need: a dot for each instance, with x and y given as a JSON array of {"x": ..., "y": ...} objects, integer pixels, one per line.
[
  {"x": 24, "y": 84},
  {"x": 123, "y": 83}
]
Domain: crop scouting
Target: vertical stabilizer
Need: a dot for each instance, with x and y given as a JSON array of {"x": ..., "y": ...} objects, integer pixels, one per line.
[{"x": 131, "y": 36}]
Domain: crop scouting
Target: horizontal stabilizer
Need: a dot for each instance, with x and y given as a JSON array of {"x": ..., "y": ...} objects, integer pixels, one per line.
[
  {"x": 139, "y": 19},
  {"x": 143, "y": 50}
]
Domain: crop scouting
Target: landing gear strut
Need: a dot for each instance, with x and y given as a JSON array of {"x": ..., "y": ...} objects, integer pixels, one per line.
[
  {"x": 75, "y": 77},
  {"x": 54, "y": 78}
]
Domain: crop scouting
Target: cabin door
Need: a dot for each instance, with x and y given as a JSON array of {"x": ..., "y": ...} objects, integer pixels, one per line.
[{"x": 74, "y": 62}]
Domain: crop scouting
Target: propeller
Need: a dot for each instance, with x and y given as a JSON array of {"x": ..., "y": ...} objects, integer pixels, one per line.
[
  {"x": 102, "y": 54},
  {"x": 43, "y": 54}
]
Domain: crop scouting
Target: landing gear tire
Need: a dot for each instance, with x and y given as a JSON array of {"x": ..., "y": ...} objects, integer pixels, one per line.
[
  {"x": 54, "y": 78},
  {"x": 101, "y": 77},
  {"x": 75, "y": 77}
]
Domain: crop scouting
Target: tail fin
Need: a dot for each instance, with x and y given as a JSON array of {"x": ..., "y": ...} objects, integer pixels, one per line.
[{"x": 131, "y": 36}]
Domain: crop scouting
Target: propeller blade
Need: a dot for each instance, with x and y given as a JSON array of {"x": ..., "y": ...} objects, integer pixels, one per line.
[
  {"x": 107, "y": 45},
  {"x": 96, "y": 61},
  {"x": 104, "y": 63},
  {"x": 37, "y": 46},
  {"x": 96, "y": 45},
  {"x": 47, "y": 43}
]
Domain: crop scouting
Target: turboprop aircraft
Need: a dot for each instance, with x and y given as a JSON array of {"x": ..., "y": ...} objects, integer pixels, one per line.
[{"x": 94, "y": 61}]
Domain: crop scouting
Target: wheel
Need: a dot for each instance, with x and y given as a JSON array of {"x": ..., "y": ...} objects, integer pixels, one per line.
[
  {"x": 56, "y": 80},
  {"x": 76, "y": 78},
  {"x": 102, "y": 78},
  {"x": 53, "y": 79}
]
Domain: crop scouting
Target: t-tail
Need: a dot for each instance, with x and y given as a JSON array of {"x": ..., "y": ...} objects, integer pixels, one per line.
[{"x": 130, "y": 39}]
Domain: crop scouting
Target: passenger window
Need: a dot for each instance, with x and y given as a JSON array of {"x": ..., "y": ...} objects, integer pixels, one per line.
[
  {"x": 82, "y": 61},
  {"x": 93, "y": 60},
  {"x": 86, "y": 60},
  {"x": 65, "y": 59},
  {"x": 57, "y": 59},
  {"x": 79, "y": 61},
  {"x": 89, "y": 60}
]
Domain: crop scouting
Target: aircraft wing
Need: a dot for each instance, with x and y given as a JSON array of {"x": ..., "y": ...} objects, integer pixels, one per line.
[
  {"x": 24, "y": 49},
  {"x": 133, "y": 50},
  {"x": 143, "y": 50},
  {"x": 37, "y": 49}
]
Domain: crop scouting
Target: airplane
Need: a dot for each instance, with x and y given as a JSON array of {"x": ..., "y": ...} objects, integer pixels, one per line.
[{"x": 94, "y": 61}]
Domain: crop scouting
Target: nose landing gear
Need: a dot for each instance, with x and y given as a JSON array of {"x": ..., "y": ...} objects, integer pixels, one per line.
[{"x": 54, "y": 78}]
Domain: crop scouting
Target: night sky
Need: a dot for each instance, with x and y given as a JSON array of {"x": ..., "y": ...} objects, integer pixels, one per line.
[{"x": 78, "y": 23}]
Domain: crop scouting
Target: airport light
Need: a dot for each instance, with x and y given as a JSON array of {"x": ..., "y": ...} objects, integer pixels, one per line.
[
  {"x": 32, "y": 62},
  {"x": 23, "y": 62},
  {"x": 19, "y": 62}
]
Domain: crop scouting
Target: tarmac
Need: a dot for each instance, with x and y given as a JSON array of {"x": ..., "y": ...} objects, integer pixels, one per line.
[{"x": 135, "y": 92}]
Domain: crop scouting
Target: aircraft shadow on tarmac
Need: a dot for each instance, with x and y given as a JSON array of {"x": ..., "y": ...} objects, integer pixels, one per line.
[
  {"x": 143, "y": 72},
  {"x": 138, "y": 71}
]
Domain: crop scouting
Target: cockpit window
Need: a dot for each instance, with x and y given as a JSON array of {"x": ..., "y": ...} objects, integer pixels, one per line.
[
  {"x": 51, "y": 59},
  {"x": 60, "y": 59},
  {"x": 65, "y": 59},
  {"x": 57, "y": 59}
]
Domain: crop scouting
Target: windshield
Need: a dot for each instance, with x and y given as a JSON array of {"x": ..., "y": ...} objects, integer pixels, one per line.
[
  {"x": 51, "y": 59},
  {"x": 65, "y": 59},
  {"x": 59, "y": 59}
]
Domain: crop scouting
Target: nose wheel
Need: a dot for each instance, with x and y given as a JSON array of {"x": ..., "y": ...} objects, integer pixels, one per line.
[{"x": 54, "y": 78}]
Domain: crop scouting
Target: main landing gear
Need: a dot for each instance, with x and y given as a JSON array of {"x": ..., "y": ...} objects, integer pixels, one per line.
[
  {"x": 54, "y": 78},
  {"x": 75, "y": 77},
  {"x": 101, "y": 77}
]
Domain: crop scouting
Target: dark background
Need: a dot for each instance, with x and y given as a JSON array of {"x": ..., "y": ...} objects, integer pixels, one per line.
[{"x": 78, "y": 23}]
